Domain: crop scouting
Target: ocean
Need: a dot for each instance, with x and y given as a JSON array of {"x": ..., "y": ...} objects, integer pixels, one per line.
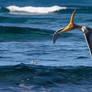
[{"x": 29, "y": 61}]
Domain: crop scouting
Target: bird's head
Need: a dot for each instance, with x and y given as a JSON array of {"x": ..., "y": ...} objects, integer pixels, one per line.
[{"x": 71, "y": 26}]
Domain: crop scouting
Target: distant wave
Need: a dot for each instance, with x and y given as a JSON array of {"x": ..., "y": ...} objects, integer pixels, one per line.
[
  {"x": 46, "y": 75},
  {"x": 35, "y": 10},
  {"x": 45, "y": 10},
  {"x": 24, "y": 30},
  {"x": 32, "y": 31}
]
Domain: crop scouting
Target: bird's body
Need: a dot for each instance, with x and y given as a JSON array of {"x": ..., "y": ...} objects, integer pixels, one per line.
[
  {"x": 88, "y": 37},
  {"x": 86, "y": 30}
]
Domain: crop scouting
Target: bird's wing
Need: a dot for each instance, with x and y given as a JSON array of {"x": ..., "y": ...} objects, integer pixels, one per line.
[
  {"x": 72, "y": 17},
  {"x": 55, "y": 36},
  {"x": 88, "y": 37}
]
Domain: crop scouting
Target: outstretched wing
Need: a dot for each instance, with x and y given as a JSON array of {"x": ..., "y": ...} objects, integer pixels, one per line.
[
  {"x": 88, "y": 37},
  {"x": 72, "y": 17}
]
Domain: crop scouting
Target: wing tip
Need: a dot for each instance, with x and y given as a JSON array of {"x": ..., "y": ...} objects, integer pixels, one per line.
[{"x": 55, "y": 36}]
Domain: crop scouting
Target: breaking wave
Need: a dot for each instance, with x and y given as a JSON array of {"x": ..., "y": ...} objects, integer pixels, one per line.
[
  {"x": 45, "y": 10},
  {"x": 35, "y": 10}
]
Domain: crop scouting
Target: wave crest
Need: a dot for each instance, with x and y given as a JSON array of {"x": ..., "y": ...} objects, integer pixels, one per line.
[
  {"x": 35, "y": 10},
  {"x": 46, "y": 75}
]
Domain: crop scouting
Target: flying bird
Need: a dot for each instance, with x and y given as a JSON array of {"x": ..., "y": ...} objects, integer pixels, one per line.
[{"x": 71, "y": 26}]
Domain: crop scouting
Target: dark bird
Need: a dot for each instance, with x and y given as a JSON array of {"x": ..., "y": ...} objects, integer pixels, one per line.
[{"x": 71, "y": 26}]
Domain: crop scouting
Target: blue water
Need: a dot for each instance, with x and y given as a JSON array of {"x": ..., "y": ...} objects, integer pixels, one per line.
[{"x": 29, "y": 61}]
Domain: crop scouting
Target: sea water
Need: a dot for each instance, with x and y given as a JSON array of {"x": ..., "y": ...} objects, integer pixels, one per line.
[{"x": 29, "y": 61}]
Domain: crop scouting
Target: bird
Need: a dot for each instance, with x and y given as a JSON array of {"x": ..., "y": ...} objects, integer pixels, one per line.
[{"x": 72, "y": 26}]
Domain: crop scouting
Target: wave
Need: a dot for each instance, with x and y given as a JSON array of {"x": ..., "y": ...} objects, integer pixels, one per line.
[
  {"x": 45, "y": 10},
  {"x": 22, "y": 29},
  {"x": 34, "y": 10},
  {"x": 14, "y": 33},
  {"x": 79, "y": 10},
  {"x": 45, "y": 75},
  {"x": 33, "y": 32}
]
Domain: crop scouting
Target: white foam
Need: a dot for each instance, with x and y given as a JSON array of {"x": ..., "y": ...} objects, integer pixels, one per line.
[{"x": 35, "y": 10}]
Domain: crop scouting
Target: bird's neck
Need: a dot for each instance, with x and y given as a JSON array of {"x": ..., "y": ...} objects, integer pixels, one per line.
[{"x": 78, "y": 26}]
